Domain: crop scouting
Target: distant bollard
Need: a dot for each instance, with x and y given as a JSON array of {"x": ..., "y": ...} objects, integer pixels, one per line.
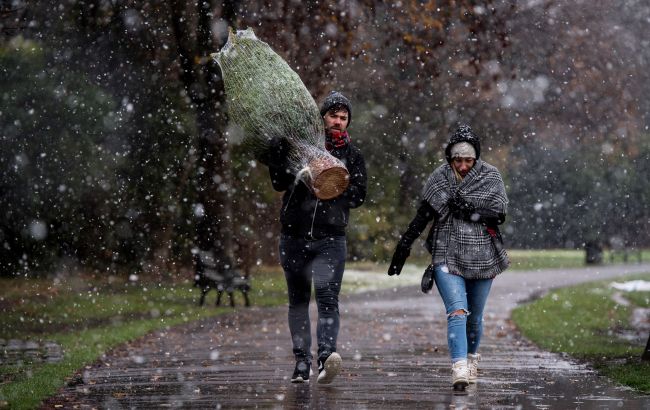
[
  {"x": 593, "y": 253},
  {"x": 20, "y": 352},
  {"x": 32, "y": 352},
  {"x": 52, "y": 351},
  {"x": 646, "y": 353},
  {"x": 13, "y": 351}
]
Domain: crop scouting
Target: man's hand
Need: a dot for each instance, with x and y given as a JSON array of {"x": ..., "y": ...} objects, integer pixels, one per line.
[{"x": 399, "y": 257}]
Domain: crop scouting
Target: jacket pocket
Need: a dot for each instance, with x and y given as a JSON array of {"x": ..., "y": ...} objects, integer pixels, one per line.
[{"x": 495, "y": 238}]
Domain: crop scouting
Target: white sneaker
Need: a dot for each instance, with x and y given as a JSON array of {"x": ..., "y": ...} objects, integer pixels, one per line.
[
  {"x": 329, "y": 369},
  {"x": 472, "y": 364},
  {"x": 460, "y": 375}
]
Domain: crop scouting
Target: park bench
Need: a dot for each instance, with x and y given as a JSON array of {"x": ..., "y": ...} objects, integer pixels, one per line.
[
  {"x": 617, "y": 250},
  {"x": 624, "y": 254},
  {"x": 209, "y": 274},
  {"x": 623, "y": 248}
]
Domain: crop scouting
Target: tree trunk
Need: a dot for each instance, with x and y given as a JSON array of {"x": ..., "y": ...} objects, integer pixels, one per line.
[
  {"x": 204, "y": 86},
  {"x": 215, "y": 183}
]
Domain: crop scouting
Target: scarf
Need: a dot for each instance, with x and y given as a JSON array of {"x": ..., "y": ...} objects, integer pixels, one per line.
[
  {"x": 336, "y": 139},
  {"x": 467, "y": 248}
]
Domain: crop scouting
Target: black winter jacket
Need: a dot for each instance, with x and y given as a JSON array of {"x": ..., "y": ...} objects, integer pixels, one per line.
[{"x": 304, "y": 215}]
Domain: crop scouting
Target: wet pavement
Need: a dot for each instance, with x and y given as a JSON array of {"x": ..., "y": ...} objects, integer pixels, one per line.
[{"x": 393, "y": 344}]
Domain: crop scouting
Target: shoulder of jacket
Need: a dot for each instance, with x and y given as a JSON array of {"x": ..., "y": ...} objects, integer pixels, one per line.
[
  {"x": 437, "y": 177},
  {"x": 488, "y": 166},
  {"x": 442, "y": 171},
  {"x": 490, "y": 169},
  {"x": 354, "y": 150},
  {"x": 354, "y": 153}
]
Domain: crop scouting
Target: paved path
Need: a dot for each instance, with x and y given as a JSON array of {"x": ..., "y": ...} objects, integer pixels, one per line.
[{"x": 394, "y": 349}]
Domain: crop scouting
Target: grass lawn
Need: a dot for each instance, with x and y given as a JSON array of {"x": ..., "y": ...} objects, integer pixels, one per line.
[
  {"x": 531, "y": 259},
  {"x": 585, "y": 322},
  {"x": 89, "y": 315},
  {"x": 523, "y": 259}
]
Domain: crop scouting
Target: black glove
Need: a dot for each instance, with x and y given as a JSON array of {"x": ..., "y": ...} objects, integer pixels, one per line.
[
  {"x": 399, "y": 257},
  {"x": 276, "y": 152},
  {"x": 460, "y": 208},
  {"x": 427, "y": 279}
]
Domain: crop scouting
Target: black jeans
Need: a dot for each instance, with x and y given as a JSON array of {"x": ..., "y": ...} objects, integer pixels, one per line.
[{"x": 322, "y": 260}]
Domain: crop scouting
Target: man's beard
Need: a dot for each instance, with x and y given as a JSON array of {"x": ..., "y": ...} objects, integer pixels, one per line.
[{"x": 335, "y": 129}]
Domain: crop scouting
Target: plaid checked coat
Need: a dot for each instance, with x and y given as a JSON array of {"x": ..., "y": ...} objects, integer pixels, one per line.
[{"x": 466, "y": 247}]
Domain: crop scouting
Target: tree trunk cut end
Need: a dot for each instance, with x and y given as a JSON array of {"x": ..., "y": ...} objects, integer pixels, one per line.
[{"x": 328, "y": 180}]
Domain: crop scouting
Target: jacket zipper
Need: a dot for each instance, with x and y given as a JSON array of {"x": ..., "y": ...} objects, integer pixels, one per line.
[
  {"x": 311, "y": 230},
  {"x": 293, "y": 189}
]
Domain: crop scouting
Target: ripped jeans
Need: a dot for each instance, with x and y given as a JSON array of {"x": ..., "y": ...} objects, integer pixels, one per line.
[
  {"x": 323, "y": 261},
  {"x": 463, "y": 330}
]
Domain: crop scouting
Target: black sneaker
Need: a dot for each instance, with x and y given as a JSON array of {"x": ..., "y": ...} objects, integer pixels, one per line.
[
  {"x": 302, "y": 372},
  {"x": 328, "y": 368}
]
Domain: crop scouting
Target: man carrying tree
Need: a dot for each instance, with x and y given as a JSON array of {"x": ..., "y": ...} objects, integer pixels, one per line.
[{"x": 313, "y": 244}]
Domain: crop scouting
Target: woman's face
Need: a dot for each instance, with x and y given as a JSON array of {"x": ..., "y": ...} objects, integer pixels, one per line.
[{"x": 463, "y": 165}]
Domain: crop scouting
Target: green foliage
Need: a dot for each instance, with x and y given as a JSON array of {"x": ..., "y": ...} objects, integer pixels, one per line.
[
  {"x": 152, "y": 206},
  {"x": 370, "y": 235},
  {"x": 583, "y": 321},
  {"x": 58, "y": 171},
  {"x": 375, "y": 228},
  {"x": 88, "y": 179},
  {"x": 577, "y": 195}
]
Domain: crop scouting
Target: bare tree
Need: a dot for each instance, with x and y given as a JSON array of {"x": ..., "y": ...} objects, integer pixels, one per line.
[{"x": 200, "y": 75}]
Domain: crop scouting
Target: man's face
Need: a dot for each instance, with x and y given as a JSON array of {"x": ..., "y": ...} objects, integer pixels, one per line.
[{"x": 336, "y": 120}]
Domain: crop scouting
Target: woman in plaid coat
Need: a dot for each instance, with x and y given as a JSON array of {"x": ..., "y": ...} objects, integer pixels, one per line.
[{"x": 467, "y": 201}]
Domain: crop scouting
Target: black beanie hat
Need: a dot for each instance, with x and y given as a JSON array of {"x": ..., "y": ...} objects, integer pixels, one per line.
[
  {"x": 463, "y": 133},
  {"x": 333, "y": 100}
]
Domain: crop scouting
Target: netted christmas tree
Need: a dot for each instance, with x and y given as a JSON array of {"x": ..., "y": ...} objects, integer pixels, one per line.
[{"x": 268, "y": 100}]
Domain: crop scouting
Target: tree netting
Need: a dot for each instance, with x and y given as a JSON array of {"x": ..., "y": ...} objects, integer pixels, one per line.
[{"x": 268, "y": 100}]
